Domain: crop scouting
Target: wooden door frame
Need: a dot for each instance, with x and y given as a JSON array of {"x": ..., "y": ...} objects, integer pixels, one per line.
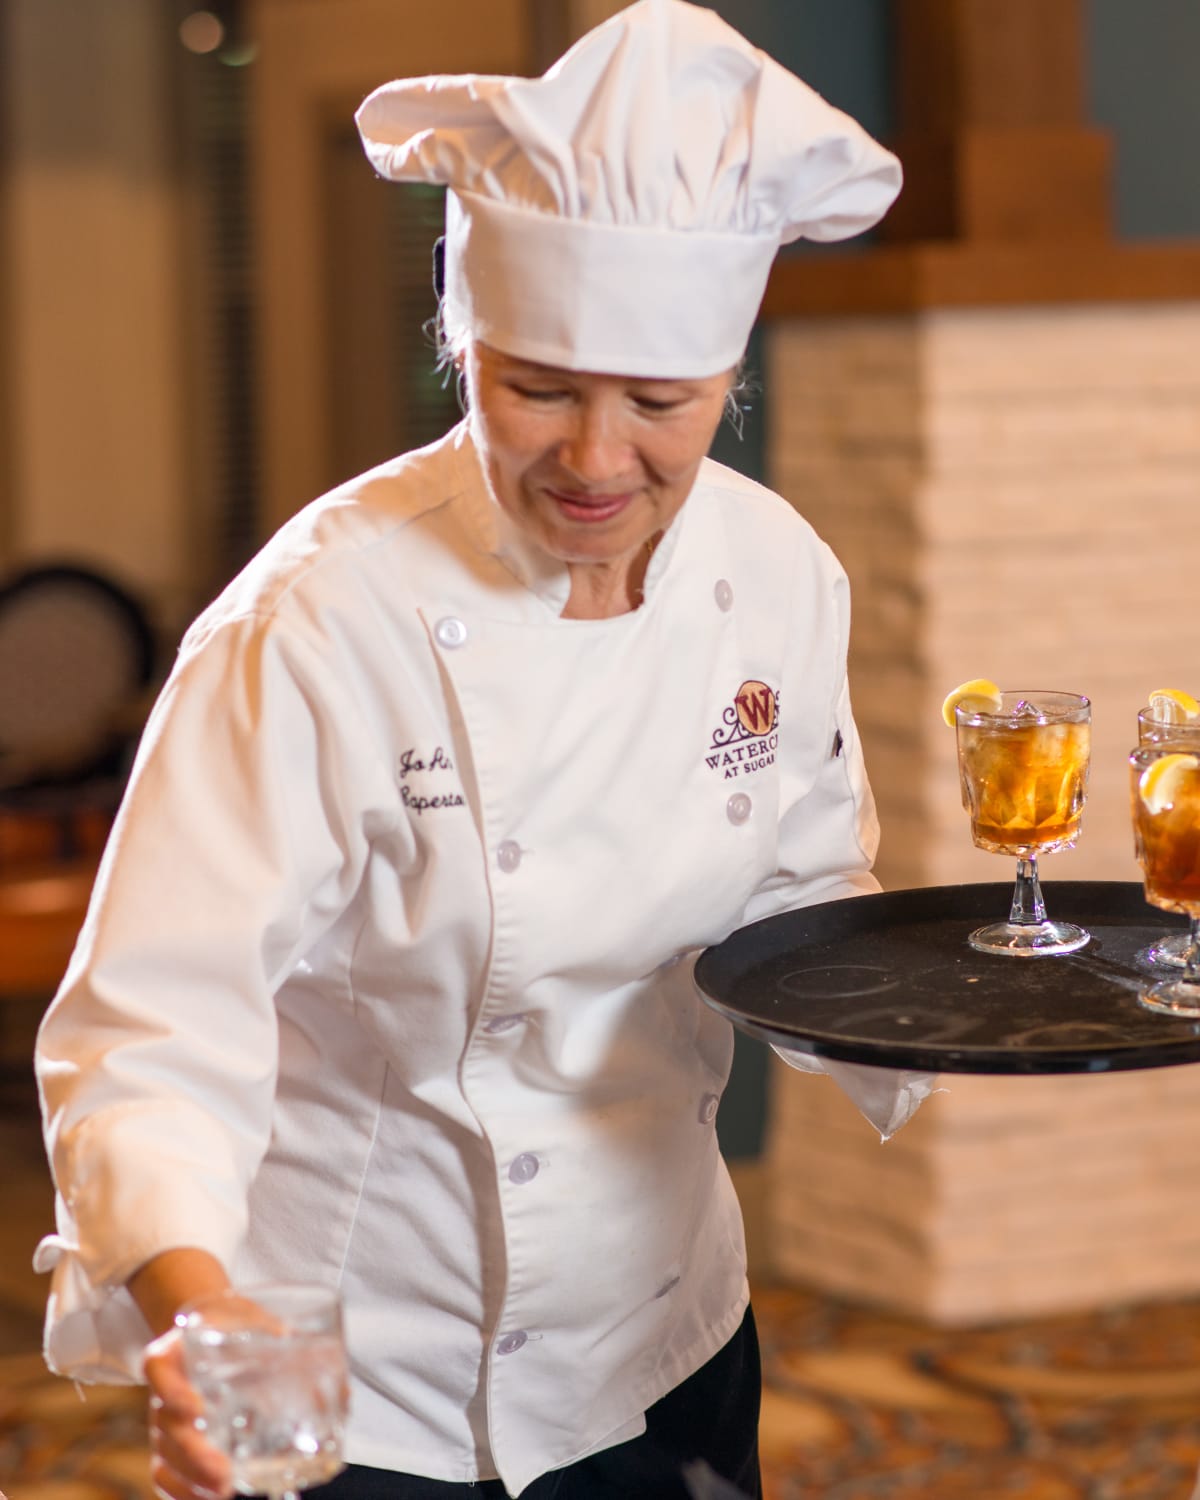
[{"x": 316, "y": 60}]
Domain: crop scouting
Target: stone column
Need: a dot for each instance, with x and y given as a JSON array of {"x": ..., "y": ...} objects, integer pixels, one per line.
[{"x": 994, "y": 418}]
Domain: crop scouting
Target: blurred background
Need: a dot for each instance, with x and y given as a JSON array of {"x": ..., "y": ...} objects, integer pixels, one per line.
[{"x": 211, "y": 311}]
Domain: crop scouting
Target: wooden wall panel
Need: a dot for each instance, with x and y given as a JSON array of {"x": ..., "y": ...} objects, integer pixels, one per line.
[
  {"x": 991, "y": 124},
  {"x": 316, "y": 61}
]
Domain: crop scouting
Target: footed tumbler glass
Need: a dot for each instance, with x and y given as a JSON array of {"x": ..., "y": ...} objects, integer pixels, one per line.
[{"x": 1023, "y": 770}]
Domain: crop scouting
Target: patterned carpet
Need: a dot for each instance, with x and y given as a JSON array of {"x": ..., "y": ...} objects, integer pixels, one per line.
[
  {"x": 53, "y": 1446},
  {"x": 857, "y": 1407},
  {"x": 860, "y": 1405}
]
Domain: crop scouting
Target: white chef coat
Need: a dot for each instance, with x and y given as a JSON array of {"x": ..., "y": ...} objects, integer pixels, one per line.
[{"x": 386, "y": 979}]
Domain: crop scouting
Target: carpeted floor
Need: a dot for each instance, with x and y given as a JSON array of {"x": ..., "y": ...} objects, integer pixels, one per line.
[
  {"x": 857, "y": 1405},
  {"x": 860, "y": 1405}
]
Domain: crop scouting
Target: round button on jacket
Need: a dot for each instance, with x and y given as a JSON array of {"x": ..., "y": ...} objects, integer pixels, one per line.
[
  {"x": 723, "y": 594},
  {"x": 450, "y": 632},
  {"x": 523, "y": 1168},
  {"x": 738, "y": 809},
  {"x": 498, "y": 1024},
  {"x": 511, "y": 1342},
  {"x": 508, "y": 856}
]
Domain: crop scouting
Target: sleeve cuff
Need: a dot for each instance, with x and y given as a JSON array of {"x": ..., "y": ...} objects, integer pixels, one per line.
[{"x": 94, "y": 1334}]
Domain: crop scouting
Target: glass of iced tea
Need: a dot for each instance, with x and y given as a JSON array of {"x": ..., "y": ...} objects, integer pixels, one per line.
[
  {"x": 1165, "y": 777},
  {"x": 1023, "y": 766},
  {"x": 1160, "y": 721}
]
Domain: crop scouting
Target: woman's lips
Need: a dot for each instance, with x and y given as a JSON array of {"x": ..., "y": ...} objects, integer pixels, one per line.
[{"x": 591, "y": 509}]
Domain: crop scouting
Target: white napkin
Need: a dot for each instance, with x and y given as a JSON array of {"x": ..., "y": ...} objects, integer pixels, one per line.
[{"x": 887, "y": 1097}]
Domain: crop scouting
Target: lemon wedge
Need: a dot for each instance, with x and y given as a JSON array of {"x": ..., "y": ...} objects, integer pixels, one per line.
[
  {"x": 1171, "y": 706},
  {"x": 979, "y": 695},
  {"x": 1160, "y": 783}
]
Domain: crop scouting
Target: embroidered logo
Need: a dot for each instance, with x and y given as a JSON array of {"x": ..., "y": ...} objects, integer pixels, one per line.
[
  {"x": 756, "y": 705},
  {"x": 410, "y": 763},
  {"x": 748, "y": 733}
]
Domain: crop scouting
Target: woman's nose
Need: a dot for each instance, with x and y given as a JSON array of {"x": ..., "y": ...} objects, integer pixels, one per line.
[{"x": 595, "y": 449}]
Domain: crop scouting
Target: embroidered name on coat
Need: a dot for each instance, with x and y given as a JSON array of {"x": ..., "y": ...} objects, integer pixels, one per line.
[
  {"x": 410, "y": 763},
  {"x": 747, "y": 737}
]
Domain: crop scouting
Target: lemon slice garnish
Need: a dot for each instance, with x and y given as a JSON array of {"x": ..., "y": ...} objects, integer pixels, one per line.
[
  {"x": 1171, "y": 706},
  {"x": 979, "y": 695},
  {"x": 1160, "y": 783}
]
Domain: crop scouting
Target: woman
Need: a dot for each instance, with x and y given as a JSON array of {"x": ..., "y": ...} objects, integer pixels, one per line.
[{"x": 385, "y": 983}]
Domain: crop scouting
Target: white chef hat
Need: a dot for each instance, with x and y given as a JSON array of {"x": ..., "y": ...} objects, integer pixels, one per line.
[{"x": 621, "y": 213}]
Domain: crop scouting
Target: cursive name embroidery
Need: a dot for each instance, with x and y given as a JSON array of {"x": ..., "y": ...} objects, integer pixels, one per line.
[
  {"x": 411, "y": 761},
  {"x": 408, "y": 764},
  {"x": 423, "y": 804}
]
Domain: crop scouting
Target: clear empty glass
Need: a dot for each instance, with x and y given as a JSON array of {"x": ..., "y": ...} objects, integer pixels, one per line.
[
  {"x": 1152, "y": 728},
  {"x": 1166, "y": 835},
  {"x": 1023, "y": 770},
  {"x": 269, "y": 1364}
]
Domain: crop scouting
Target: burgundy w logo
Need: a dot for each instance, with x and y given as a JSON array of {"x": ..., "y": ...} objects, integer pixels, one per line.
[{"x": 755, "y": 704}]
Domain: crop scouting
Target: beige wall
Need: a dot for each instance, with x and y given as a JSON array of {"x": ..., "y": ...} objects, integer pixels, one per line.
[
  {"x": 102, "y": 332},
  {"x": 94, "y": 467}
]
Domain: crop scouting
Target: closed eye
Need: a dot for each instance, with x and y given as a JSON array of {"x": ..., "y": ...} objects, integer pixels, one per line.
[
  {"x": 538, "y": 393},
  {"x": 657, "y": 406}
]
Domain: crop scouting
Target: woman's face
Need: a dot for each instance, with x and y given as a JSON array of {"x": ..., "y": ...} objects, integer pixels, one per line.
[{"x": 589, "y": 466}]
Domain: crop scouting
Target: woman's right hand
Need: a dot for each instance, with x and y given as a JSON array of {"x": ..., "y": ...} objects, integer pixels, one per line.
[{"x": 184, "y": 1465}]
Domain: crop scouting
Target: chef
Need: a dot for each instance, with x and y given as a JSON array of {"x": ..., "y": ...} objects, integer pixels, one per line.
[{"x": 386, "y": 981}]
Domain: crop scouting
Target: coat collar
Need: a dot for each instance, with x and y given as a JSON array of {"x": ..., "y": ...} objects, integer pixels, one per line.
[{"x": 498, "y": 534}]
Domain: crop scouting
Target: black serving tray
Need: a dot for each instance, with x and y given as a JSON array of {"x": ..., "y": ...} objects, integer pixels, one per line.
[{"x": 889, "y": 979}]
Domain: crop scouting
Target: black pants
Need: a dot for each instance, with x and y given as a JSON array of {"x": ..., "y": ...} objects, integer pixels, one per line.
[{"x": 712, "y": 1416}]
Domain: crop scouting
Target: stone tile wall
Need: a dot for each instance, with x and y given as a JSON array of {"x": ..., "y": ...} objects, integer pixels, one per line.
[{"x": 1015, "y": 494}]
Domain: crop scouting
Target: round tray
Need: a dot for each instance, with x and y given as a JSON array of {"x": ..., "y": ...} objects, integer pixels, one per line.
[{"x": 889, "y": 979}]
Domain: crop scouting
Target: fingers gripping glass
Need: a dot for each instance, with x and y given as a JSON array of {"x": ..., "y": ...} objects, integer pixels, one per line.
[
  {"x": 269, "y": 1364},
  {"x": 1023, "y": 768}
]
